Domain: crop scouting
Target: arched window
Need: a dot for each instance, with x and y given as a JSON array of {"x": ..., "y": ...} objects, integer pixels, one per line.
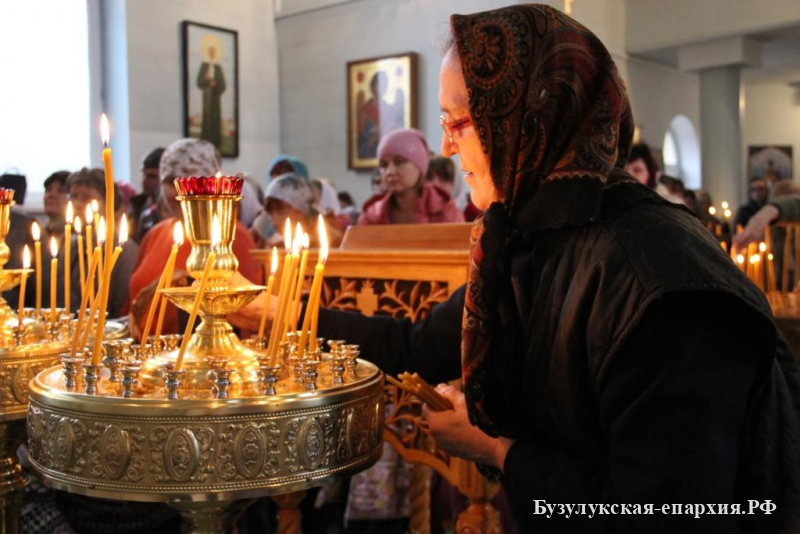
[
  {"x": 672, "y": 161},
  {"x": 44, "y": 98},
  {"x": 681, "y": 152}
]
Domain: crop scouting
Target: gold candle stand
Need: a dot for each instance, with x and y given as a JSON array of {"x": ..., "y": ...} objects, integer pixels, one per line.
[
  {"x": 24, "y": 351},
  {"x": 226, "y": 428}
]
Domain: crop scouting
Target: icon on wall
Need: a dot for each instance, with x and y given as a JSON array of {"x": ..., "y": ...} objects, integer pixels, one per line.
[
  {"x": 211, "y": 86},
  {"x": 771, "y": 162},
  {"x": 381, "y": 96}
]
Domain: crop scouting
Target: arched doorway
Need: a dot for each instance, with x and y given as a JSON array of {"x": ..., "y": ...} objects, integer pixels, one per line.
[{"x": 681, "y": 152}]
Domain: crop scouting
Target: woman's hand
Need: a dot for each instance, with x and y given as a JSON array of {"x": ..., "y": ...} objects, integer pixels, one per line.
[
  {"x": 754, "y": 231},
  {"x": 456, "y": 436},
  {"x": 249, "y": 317}
]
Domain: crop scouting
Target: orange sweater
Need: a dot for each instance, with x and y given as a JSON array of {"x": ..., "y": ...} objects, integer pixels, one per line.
[{"x": 152, "y": 259}]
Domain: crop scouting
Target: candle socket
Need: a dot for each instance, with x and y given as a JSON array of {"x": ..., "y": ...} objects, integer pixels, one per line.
[
  {"x": 67, "y": 325},
  {"x": 258, "y": 343},
  {"x": 336, "y": 346},
  {"x": 130, "y": 379},
  {"x": 156, "y": 345},
  {"x": 269, "y": 375},
  {"x": 310, "y": 374},
  {"x": 173, "y": 380},
  {"x": 53, "y": 330},
  {"x": 139, "y": 352},
  {"x": 116, "y": 352},
  {"x": 220, "y": 375},
  {"x": 91, "y": 375},
  {"x": 292, "y": 338},
  {"x": 172, "y": 341},
  {"x": 351, "y": 353},
  {"x": 19, "y": 334},
  {"x": 338, "y": 369},
  {"x": 72, "y": 365},
  {"x": 296, "y": 364}
]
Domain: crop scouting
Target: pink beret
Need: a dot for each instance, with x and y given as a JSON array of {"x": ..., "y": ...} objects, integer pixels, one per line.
[{"x": 407, "y": 143}]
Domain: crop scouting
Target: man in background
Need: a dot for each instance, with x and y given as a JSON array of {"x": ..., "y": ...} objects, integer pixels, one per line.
[{"x": 144, "y": 206}]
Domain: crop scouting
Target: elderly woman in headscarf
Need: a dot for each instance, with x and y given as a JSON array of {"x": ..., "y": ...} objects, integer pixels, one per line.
[
  {"x": 611, "y": 354},
  {"x": 185, "y": 157},
  {"x": 290, "y": 197}
]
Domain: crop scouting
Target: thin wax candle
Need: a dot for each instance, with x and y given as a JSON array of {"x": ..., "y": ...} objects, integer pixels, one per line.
[
  {"x": 270, "y": 282},
  {"x": 26, "y": 264},
  {"x": 177, "y": 235},
  {"x": 53, "y": 278},
  {"x": 216, "y": 238},
  {"x": 68, "y": 255},
  {"x": 37, "y": 254},
  {"x": 287, "y": 262},
  {"x": 101, "y": 320},
  {"x": 81, "y": 263},
  {"x": 89, "y": 248},
  {"x": 312, "y": 308},
  {"x": 84, "y": 322}
]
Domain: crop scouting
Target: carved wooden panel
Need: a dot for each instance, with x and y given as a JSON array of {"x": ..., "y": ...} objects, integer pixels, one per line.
[{"x": 412, "y": 299}]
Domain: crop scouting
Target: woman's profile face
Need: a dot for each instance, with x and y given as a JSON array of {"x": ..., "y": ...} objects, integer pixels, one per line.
[
  {"x": 398, "y": 173},
  {"x": 454, "y": 102},
  {"x": 638, "y": 170}
]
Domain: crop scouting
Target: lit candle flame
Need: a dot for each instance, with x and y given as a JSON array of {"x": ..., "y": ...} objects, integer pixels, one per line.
[
  {"x": 104, "y": 129},
  {"x": 53, "y": 247},
  {"x": 739, "y": 259},
  {"x": 323, "y": 240},
  {"x": 274, "y": 266},
  {"x": 727, "y": 213},
  {"x": 177, "y": 233},
  {"x": 725, "y": 205},
  {"x": 26, "y": 257},
  {"x": 123, "y": 230},
  {"x": 216, "y": 232},
  {"x": 298, "y": 239},
  {"x": 89, "y": 214},
  {"x": 287, "y": 235},
  {"x": 35, "y": 231},
  {"x": 77, "y": 225},
  {"x": 219, "y": 174},
  {"x": 762, "y": 247},
  {"x": 101, "y": 231},
  {"x": 70, "y": 212},
  {"x": 95, "y": 206},
  {"x": 712, "y": 211},
  {"x": 306, "y": 241},
  {"x": 755, "y": 258},
  {"x": 770, "y": 257}
]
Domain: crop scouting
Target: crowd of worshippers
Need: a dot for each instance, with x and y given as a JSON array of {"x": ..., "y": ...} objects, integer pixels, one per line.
[{"x": 410, "y": 185}]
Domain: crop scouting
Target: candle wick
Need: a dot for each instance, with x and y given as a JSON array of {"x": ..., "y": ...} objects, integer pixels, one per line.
[{"x": 105, "y": 144}]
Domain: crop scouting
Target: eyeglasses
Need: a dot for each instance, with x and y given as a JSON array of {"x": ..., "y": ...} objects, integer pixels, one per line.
[{"x": 453, "y": 129}]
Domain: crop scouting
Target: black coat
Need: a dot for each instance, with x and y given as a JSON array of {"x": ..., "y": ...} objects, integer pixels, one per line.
[{"x": 653, "y": 374}]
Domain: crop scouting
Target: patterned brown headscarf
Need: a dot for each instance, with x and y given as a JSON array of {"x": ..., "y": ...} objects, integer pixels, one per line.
[{"x": 551, "y": 112}]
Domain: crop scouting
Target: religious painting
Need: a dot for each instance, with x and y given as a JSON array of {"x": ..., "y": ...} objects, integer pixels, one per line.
[
  {"x": 771, "y": 162},
  {"x": 211, "y": 86},
  {"x": 381, "y": 96}
]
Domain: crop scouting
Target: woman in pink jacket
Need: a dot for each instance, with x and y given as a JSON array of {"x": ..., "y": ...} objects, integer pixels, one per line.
[{"x": 403, "y": 157}]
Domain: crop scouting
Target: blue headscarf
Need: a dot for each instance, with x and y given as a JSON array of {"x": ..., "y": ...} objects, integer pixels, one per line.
[{"x": 297, "y": 165}]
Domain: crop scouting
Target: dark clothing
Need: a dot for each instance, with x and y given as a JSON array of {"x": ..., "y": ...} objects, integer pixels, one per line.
[
  {"x": 19, "y": 235},
  {"x": 649, "y": 371},
  {"x": 745, "y": 212}
]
